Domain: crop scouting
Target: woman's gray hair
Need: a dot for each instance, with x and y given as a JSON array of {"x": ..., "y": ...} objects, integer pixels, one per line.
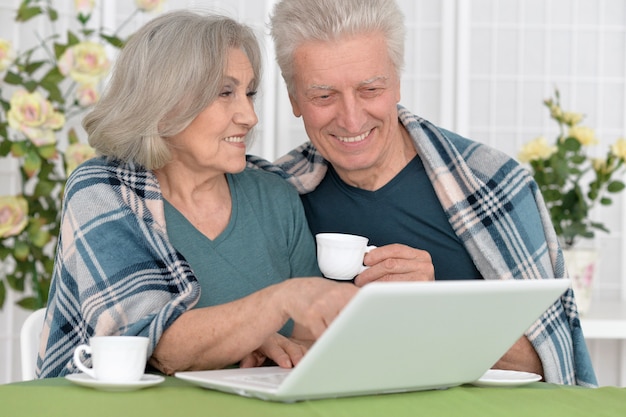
[
  {"x": 296, "y": 21},
  {"x": 169, "y": 71}
]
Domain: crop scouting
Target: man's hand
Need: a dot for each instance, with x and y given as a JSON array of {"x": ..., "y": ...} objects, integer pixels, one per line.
[
  {"x": 521, "y": 357},
  {"x": 396, "y": 263}
]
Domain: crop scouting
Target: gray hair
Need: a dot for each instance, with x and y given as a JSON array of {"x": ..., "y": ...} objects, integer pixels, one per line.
[
  {"x": 296, "y": 21},
  {"x": 169, "y": 71}
]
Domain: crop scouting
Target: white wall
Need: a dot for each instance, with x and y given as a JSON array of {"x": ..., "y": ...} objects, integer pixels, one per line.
[{"x": 480, "y": 67}]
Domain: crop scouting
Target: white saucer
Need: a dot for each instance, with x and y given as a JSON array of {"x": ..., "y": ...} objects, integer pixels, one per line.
[
  {"x": 502, "y": 378},
  {"x": 146, "y": 380}
]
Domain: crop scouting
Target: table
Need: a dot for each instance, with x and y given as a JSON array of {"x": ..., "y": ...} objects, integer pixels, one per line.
[{"x": 176, "y": 398}]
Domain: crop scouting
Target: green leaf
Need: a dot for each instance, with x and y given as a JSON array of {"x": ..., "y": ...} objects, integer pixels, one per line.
[
  {"x": 551, "y": 195},
  {"x": 615, "y": 186},
  {"x": 59, "y": 49},
  {"x": 15, "y": 282},
  {"x": 53, "y": 14},
  {"x": 44, "y": 188},
  {"x": 72, "y": 136},
  {"x": 5, "y": 147},
  {"x": 571, "y": 144},
  {"x": 25, "y": 13},
  {"x": 83, "y": 19},
  {"x": 13, "y": 78},
  {"x": 53, "y": 76},
  {"x": 19, "y": 149},
  {"x": 605, "y": 201},
  {"x": 29, "y": 303},
  {"x": 72, "y": 39},
  {"x": 32, "y": 163},
  {"x": 30, "y": 86},
  {"x": 54, "y": 93},
  {"x": 3, "y": 294},
  {"x": 113, "y": 40},
  {"x": 33, "y": 66}
]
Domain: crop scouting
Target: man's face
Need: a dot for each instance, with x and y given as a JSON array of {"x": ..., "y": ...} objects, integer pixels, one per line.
[{"x": 346, "y": 92}]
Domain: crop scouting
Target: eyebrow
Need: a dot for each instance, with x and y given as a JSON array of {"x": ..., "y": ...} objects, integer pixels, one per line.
[
  {"x": 237, "y": 81},
  {"x": 361, "y": 84}
]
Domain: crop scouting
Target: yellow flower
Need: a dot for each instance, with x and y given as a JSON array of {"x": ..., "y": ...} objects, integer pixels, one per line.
[
  {"x": 33, "y": 115},
  {"x": 87, "y": 94},
  {"x": 571, "y": 118},
  {"x": 76, "y": 154},
  {"x": 149, "y": 5},
  {"x": 13, "y": 215},
  {"x": 84, "y": 7},
  {"x": 536, "y": 149},
  {"x": 619, "y": 148},
  {"x": 7, "y": 54},
  {"x": 599, "y": 165},
  {"x": 585, "y": 135},
  {"x": 85, "y": 62}
]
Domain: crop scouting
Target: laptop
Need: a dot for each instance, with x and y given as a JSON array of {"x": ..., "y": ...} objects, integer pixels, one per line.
[{"x": 401, "y": 336}]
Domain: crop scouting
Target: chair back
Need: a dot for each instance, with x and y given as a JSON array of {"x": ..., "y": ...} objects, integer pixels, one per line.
[{"x": 30, "y": 336}]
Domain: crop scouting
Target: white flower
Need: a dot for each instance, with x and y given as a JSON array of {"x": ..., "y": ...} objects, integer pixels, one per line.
[
  {"x": 585, "y": 135},
  {"x": 76, "y": 154},
  {"x": 13, "y": 215},
  {"x": 87, "y": 94},
  {"x": 7, "y": 54},
  {"x": 85, "y": 62},
  {"x": 84, "y": 7},
  {"x": 33, "y": 115},
  {"x": 619, "y": 148},
  {"x": 535, "y": 150},
  {"x": 149, "y": 5}
]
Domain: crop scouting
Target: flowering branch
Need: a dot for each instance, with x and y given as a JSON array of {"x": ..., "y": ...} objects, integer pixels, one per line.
[
  {"x": 561, "y": 169},
  {"x": 50, "y": 85}
]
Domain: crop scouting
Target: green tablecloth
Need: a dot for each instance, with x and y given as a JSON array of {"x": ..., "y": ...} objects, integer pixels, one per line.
[{"x": 59, "y": 398}]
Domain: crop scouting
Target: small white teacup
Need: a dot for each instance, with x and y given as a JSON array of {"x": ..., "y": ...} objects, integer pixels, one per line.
[
  {"x": 114, "y": 358},
  {"x": 340, "y": 255}
]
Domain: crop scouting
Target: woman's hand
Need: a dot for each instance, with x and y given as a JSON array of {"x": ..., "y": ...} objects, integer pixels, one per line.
[{"x": 284, "y": 352}]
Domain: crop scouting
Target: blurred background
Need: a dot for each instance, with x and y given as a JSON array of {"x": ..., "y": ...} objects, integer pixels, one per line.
[{"x": 481, "y": 68}]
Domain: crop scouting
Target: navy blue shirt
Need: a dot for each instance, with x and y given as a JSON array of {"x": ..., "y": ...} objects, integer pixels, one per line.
[{"x": 406, "y": 210}]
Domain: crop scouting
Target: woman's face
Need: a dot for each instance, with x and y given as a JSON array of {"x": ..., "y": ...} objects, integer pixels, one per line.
[{"x": 215, "y": 139}]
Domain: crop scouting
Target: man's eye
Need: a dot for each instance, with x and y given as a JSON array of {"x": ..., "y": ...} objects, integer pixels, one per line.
[{"x": 371, "y": 92}]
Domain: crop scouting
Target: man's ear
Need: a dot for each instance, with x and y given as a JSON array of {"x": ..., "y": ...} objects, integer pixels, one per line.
[{"x": 295, "y": 108}]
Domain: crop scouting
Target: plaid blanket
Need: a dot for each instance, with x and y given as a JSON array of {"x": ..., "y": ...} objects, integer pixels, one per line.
[
  {"x": 115, "y": 270},
  {"x": 488, "y": 198}
]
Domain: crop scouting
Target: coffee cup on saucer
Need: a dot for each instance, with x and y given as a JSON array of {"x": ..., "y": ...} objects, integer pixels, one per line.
[{"x": 114, "y": 358}]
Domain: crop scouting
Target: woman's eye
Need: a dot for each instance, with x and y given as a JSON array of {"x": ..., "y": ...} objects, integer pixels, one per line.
[{"x": 251, "y": 94}]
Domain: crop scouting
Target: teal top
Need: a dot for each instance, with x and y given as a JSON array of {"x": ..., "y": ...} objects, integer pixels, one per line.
[{"x": 266, "y": 241}]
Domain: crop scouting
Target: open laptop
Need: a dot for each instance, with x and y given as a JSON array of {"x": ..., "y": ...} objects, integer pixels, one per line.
[{"x": 399, "y": 336}]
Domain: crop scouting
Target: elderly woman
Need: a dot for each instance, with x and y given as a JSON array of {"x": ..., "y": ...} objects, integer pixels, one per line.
[{"x": 166, "y": 234}]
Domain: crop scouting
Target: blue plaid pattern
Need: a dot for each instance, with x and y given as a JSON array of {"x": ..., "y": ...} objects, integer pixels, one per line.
[
  {"x": 497, "y": 210},
  {"x": 137, "y": 284}
]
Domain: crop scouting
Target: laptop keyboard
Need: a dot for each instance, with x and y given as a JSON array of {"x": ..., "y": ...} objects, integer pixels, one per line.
[{"x": 270, "y": 380}]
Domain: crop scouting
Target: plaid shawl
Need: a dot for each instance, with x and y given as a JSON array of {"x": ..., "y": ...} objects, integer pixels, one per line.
[
  {"x": 488, "y": 198},
  {"x": 116, "y": 272}
]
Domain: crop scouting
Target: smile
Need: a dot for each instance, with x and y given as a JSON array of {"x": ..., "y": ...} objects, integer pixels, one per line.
[
  {"x": 359, "y": 138},
  {"x": 235, "y": 139}
]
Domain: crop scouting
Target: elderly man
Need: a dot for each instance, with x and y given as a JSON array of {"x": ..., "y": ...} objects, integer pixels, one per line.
[{"x": 439, "y": 206}]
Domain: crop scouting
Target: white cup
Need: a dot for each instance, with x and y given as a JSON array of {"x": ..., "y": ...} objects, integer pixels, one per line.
[
  {"x": 114, "y": 358},
  {"x": 340, "y": 255}
]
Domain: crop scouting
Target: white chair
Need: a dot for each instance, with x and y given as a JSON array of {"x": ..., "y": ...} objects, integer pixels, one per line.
[{"x": 30, "y": 335}]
